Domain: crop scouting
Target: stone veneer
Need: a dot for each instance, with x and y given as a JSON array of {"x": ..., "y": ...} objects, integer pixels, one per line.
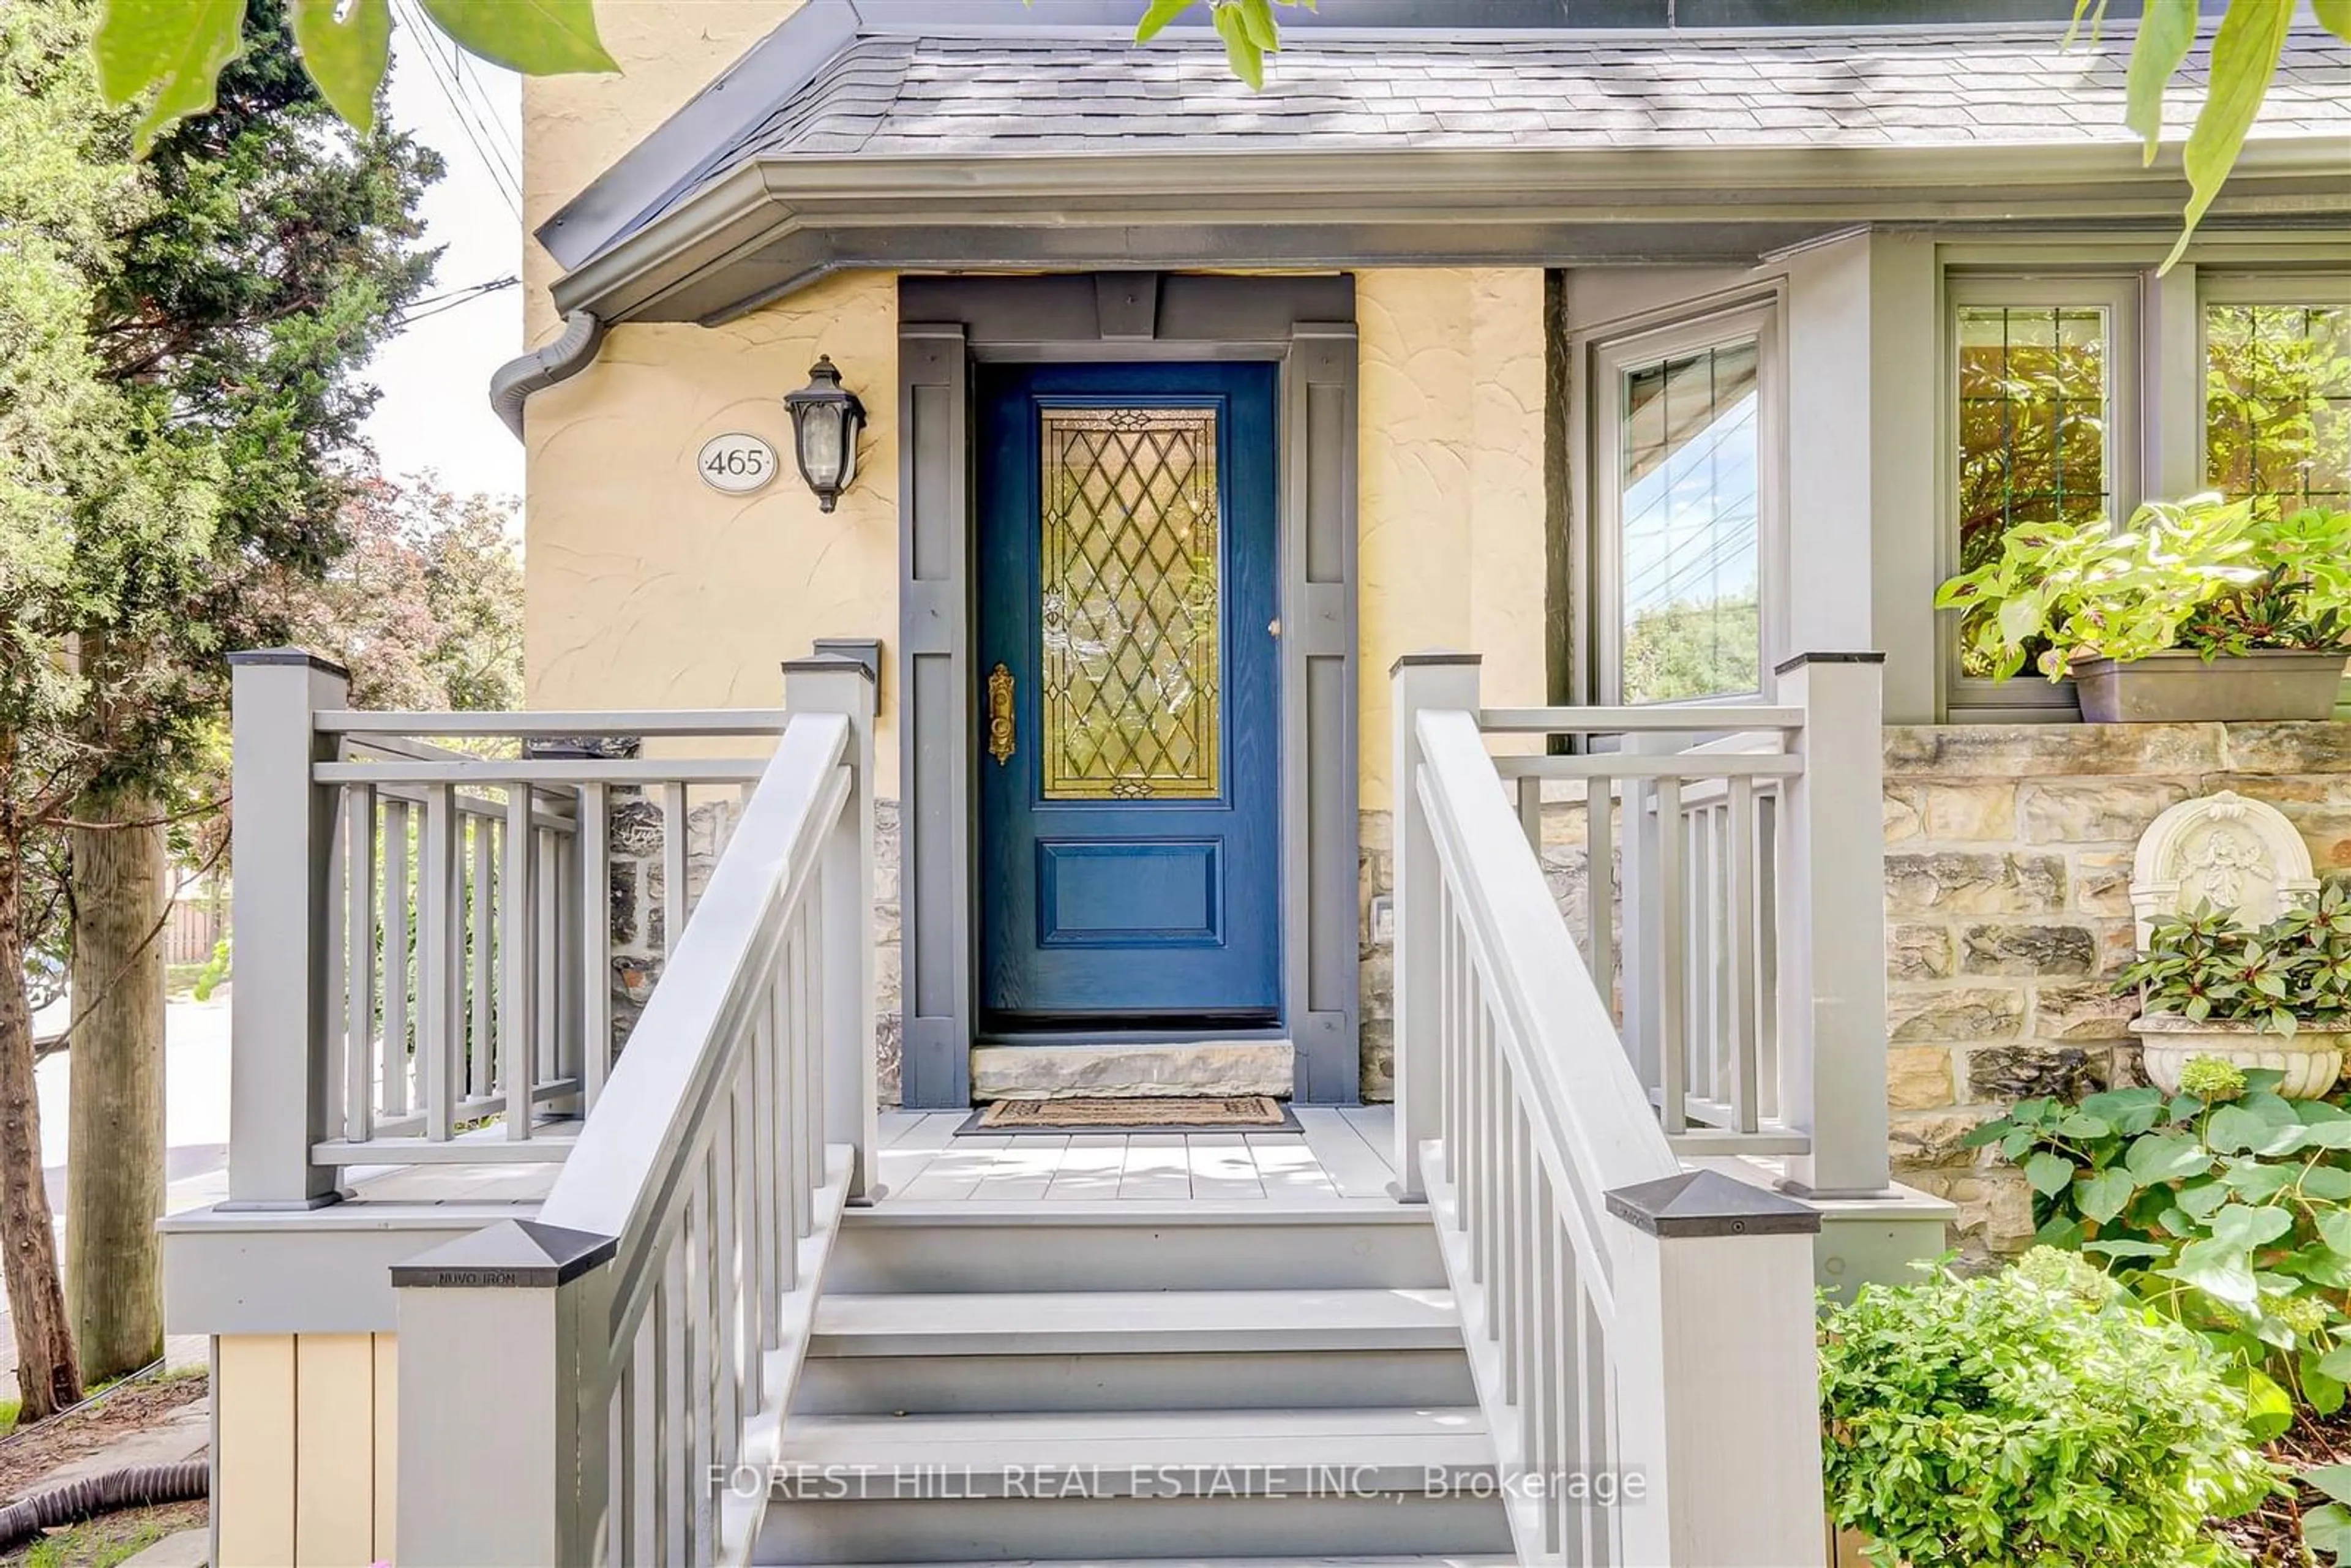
[
  {"x": 2008, "y": 853},
  {"x": 639, "y": 882},
  {"x": 2008, "y": 865}
]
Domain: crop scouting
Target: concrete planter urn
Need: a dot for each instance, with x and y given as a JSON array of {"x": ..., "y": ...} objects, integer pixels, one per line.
[
  {"x": 2188, "y": 688},
  {"x": 2311, "y": 1059}
]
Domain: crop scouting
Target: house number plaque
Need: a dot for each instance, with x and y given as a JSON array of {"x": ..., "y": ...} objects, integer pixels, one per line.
[{"x": 737, "y": 462}]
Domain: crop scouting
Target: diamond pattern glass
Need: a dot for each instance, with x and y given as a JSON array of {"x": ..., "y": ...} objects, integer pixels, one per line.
[{"x": 1128, "y": 603}]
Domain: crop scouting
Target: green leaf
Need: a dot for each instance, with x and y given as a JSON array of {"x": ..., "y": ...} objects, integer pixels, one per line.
[
  {"x": 2015, "y": 1143},
  {"x": 1256, "y": 15},
  {"x": 2199, "y": 1200},
  {"x": 2165, "y": 33},
  {"x": 1242, "y": 51},
  {"x": 2335, "y": 1480},
  {"x": 176, "y": 47},
  {"x": 2048, "y": 1173},
  {"x": 2166, "y": 1156},
  {"x": 2245, "y": 58},
  {"x": 2246, "y": 1226},
  {"x": 2252, "y": 1180},
  {"x": 2268, "y": 1409},
  {"x": 2335, "y": 15},
  {"x": 2327, "y": 1529},
  {"x": 2327, "y": 1183},
  {"x": 2101, "y": 1196},
  {"x": 346, "y": 57},
  {"x": 2324, "y": 1390},
  {"x": 2080, "y": 1125},
  {"x": 2327, "y": 1136},
  {"x": 2334, "y": 1229},
  {"x": 2234, "y": 1128},
  {"x": 2220, "y": 1270},
  {"x": 1161, "y": 13},
  {"x": 2123, "y": 1249},
  {"x": 2337, "y": 1362},
  {"x": 537, "y": 38}
]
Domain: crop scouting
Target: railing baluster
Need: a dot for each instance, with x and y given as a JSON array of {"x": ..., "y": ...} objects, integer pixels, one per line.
[
  {"x": 1739, "y": 911},
  {"x": 673, "y": 866},
  {"x": 517, "y": 952},
  {"x": 436, "y": 1003},
  {"x": 480, "y": 1066},
  {"x": 644, "y": 1457},
  {"x": 726, "y": 1276},
  {"x": 695, "y": 1244},
  {"x": 395, "y": 957},
  {"x": 1529, "y": 793},
  {"x": 546, "y": 968},
  {"x": 1600, "y": 888},
  {"x": 1673, "y": 1055},
  {"x": 675, "y": 1395},
  {"x": 360, "y": 936},
  {"x": 595, "y": 940}
]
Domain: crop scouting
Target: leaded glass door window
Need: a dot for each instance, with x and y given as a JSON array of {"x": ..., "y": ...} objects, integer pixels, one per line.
[{"x": 1128, "y": 603}]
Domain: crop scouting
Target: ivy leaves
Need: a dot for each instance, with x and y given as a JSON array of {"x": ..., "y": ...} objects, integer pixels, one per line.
[
  {"x": 1246, "y": 26},
  {"x": 175, "y": 49},
  {"x": 2230, "y": 1214}
]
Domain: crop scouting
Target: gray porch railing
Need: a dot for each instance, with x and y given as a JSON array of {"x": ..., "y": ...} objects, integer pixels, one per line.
[
  {"x": 580, "y": 1388},
  {"x": 435, "y": 921},
  {"x": 1631, "y": 1323}
]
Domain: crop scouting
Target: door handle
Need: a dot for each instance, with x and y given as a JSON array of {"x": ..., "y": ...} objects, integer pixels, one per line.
[{"x": 1000, "y": 719}]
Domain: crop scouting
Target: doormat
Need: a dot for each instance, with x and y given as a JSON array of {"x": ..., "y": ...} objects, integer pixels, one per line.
[{"x": 1242, "y": 1113}]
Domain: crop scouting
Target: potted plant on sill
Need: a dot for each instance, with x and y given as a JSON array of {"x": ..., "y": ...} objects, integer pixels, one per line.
[
  {"x": 2278, "y": 996},
  {"x": 2196, "y": 609}
]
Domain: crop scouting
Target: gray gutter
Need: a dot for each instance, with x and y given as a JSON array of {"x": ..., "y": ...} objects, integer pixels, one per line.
[
  {"x": 800, "y": 216},
  {"x": 574, "y": 351}
]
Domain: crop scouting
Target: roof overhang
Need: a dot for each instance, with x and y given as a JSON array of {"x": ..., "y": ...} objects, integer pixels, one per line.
[{"x": 771, "y": 226}]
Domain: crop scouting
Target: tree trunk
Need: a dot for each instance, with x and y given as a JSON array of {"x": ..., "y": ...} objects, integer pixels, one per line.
[
  {"x": 114, "y": 1157},
  {"x": 47, "y": 1377}
]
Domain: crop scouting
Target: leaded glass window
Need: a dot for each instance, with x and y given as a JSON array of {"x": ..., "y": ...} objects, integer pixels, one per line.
[
  {"x": 2032, "y": 404},
  {"x": 1129, "y": 603},
  {"x": 2277, "y": 403}
]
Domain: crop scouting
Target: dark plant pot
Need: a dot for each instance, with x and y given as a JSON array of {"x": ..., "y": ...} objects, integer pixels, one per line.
[{"x": 2185, "y": 688}]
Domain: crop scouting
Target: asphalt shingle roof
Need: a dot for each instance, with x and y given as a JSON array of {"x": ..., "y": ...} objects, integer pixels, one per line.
[{"x": 886, "y": 96}]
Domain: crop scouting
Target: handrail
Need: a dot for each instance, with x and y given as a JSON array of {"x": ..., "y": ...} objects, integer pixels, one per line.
[
  {"x": 1629, "y": 1324},
  {"x": 632, "y": 723},
  {"x": 683, "y": 1249},
  {"x": 660, "y": 1087}
]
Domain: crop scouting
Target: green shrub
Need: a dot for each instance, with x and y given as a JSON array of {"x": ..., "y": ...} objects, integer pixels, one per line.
[
  {"x": 2207, "y": 964},
  {"x": 2224, "y": 1207},
  {"x": 2030, "y": 1419}
]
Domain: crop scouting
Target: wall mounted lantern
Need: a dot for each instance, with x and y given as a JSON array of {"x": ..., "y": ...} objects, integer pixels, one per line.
[{"x": 826, "y": 419}]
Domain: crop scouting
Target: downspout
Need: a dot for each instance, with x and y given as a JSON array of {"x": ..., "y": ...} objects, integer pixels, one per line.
[{"x": 566, "y": 357}]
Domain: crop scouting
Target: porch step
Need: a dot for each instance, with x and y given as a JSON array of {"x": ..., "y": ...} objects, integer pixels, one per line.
[
  {"x": 1096, "y": 1486},
  {"x": 1078, "y": 1322},
  {"x": 1046, "y": 1247}
]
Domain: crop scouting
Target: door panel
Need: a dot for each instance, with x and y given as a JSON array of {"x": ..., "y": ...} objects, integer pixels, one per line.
[{"x": 1129, "y": 775}]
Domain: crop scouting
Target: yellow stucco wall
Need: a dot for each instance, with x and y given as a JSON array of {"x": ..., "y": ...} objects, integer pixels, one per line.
[
  {"x": 1450, "y": 483},
  {"x": 645, "y": 588},
  {"x": 576, "y": 127},
  {"x": 309, "y": 1434}
]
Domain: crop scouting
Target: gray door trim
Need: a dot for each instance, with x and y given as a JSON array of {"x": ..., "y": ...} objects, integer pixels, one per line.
[{"x": 1306, "y": 324}]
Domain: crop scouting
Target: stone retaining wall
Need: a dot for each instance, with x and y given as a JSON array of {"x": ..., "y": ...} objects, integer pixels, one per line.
[{"x": 2008, "y": 854}]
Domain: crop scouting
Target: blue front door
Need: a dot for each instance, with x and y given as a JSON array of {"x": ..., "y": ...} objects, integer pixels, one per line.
[{"x": 1129, "y": 726}]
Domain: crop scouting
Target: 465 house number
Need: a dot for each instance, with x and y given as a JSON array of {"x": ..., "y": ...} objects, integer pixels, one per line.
[{"x": 737, "y": 462}]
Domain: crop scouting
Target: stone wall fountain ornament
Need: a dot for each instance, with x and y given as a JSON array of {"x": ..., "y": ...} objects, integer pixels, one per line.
[{"x": 2232, "y": 853}]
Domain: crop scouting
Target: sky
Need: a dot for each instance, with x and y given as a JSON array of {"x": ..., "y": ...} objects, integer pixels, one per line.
[{"x": 436, "y": 409}]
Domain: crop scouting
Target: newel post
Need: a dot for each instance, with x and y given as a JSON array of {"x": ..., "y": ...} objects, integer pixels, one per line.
[
  {"x": 1832, "y": 926},
  {"x": 283, "y": 837},
  {"x": 833, "y": 684},
  {"x": 1436, "y": 679},
  {"x": 504, "y": 1447},
  {"x": 1717, "y": 1385}
]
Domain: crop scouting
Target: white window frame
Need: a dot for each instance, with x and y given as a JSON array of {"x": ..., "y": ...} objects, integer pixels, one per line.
[
  {"x": 1601, "y": 634},
  {"x": 1966, "y": 699}
]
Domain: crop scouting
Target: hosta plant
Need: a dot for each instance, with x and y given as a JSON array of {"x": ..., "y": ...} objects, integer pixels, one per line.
[
  {"x": 2028, "y": 1419},
  {"x": 2226, "y": 1209},
  {"x": 2204, "y": 575}
]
